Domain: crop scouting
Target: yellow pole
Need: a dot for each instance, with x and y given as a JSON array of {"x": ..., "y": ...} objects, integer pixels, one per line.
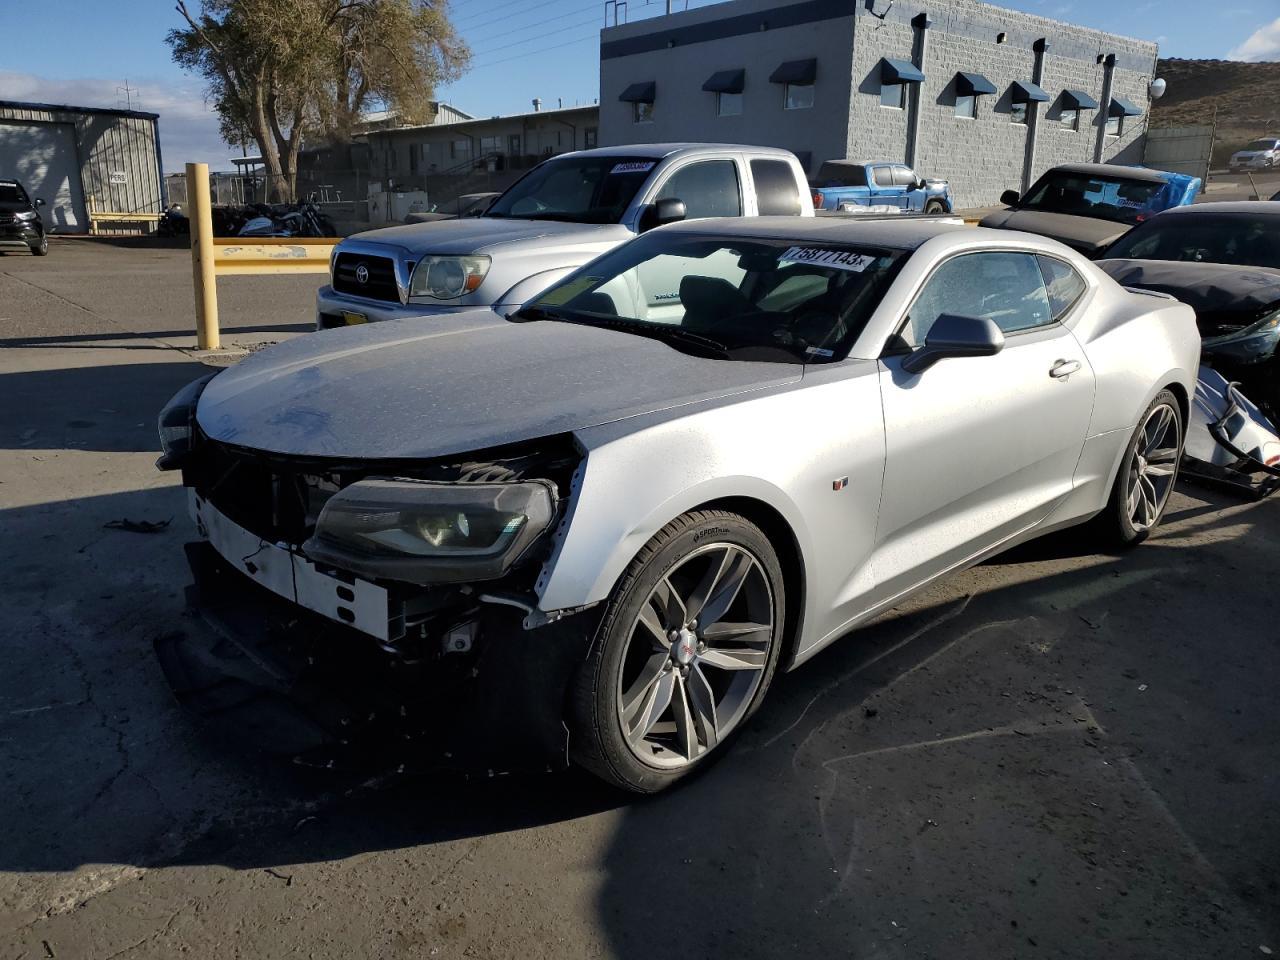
[{"x": 201, "y": 220}]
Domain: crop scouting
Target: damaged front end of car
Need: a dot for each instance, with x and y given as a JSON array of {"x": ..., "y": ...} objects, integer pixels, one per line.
[{"x": 377, "y": 613}]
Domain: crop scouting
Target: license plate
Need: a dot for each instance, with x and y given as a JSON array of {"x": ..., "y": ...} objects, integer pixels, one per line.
[{"x": 351, "y": 318}]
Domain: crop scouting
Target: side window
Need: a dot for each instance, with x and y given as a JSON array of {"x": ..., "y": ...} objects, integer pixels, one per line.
[
  {"x": 708, "y": 189},
  {"x": 776, "y": 190},
  {"x": 883, "y": 176},
  {"x": 903, "y": 177},
  {"x": 1063, "y": 284},
  {"x": 1006, "y": 287}
]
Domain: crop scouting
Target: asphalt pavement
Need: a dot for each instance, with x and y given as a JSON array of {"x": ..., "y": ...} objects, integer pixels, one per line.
[{"x": 1059, "y": 753}]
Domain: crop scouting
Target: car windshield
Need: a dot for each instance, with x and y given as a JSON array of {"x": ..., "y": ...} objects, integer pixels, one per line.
[
  {"x": 12, "y": 193},
  {"x": 735, "y": 299},
  {"x": 590, "y": 189},
  {"x": 1263, "y": 145},
  {"x": 1246, "y": 240},
  {"x": 1104, "y": 198}
]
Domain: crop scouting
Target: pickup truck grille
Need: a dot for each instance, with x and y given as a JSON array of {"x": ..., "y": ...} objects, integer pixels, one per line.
[{"x": 379, "y": 277}]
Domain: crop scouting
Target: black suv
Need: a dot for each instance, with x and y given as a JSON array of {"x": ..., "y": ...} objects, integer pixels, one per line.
[{"x": 20, "y": 225}]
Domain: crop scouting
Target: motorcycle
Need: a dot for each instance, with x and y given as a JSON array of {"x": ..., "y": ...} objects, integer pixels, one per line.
[{"x": 302, "y": 220}]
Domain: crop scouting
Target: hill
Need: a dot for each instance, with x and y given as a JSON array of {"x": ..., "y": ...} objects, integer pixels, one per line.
[{"x": 1244, "y": 98}]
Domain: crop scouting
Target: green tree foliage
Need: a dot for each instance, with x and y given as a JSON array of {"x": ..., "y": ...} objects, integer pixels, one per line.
[{"x": 285, "y": 70}]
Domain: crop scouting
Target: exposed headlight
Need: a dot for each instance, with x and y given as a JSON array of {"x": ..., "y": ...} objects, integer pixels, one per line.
[
  {"x": 175, "y": 422},
  {"x": 1252, "y": 344},
  {"x": 425, "y": 532},
  {"x": 447, "y": 278},
  {"x": 27, "y": 214}
]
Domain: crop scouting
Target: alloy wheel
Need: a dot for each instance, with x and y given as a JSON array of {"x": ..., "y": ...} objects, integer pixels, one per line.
[
  {"x": 696, "y": 655},
  {"x": 1154, "y": 467}
]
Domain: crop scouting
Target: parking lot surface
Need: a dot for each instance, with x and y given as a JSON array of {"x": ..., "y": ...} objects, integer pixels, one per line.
[{"x": 1058, "y": 753}]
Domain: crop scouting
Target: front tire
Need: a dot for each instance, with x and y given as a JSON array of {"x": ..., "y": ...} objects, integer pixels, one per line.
[
  {"x": 1147, "y": 474},
  {"x": 935, "y": 206},
  {"x": 40, "y": 249},
  {"x": 685, "y": 652}
]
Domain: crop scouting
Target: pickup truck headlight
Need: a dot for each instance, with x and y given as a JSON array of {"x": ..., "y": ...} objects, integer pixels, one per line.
[
  {"x": 429, "y": 532},
  {"x": 447, "y": 278},
  {"x": 175, "y": 421}
]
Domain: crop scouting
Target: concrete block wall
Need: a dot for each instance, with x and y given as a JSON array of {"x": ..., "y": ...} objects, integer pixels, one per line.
[{"x": 986, "y": 155}]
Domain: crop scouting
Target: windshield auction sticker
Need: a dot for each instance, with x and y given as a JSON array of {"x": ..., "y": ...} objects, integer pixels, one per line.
[
  {"x": 559, "y": 296},
  {"x": 837, "y": 259},
  {"x": 633, "y": 166}
]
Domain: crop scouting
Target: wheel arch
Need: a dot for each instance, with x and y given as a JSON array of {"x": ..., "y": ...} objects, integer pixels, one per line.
[{"x": 790, "y": 558}]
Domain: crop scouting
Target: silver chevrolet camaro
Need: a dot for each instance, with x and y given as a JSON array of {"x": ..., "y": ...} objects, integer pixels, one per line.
[{"x": 594, "y": 530}]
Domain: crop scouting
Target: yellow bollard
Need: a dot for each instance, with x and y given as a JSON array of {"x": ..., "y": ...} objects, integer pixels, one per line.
[{"x": 200, "y": 219}]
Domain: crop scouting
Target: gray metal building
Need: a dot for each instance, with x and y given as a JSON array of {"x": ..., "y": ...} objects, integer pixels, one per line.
[
  {"x": 985, "y": 97},
  {"x": 74, "y": 157}
]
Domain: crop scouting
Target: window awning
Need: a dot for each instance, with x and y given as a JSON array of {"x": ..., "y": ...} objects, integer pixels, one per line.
[
  {"x": 1120, "y": 107},
  {"x": 726, "y": 81},
  {"x": 639, "y": 92},
  {"x": 1027, "y": 92},
  {"x": 973, "y": 85},
  {"x": 1078, "y": 100},
  {"x": 899, "y": 71},
  {"x": 795, "y": 71}
]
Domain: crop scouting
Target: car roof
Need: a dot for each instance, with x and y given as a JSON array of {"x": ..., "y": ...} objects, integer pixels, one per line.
[
  {"x": 1268, "y": 208},
  {"x": 1113, "y": 170},
  {"x": 650, "y": 150},
  {"x": 896, "y": 234}
]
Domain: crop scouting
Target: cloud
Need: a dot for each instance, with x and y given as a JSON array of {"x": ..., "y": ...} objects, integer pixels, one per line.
[
  {"x": 1263, "y": 44},
  {"x": 188, "y": 128}
]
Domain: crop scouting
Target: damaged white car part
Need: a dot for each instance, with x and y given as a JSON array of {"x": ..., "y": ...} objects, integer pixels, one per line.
[
  {"x": 422, "y": 532},
  {"x": 1229, "y": 440},
  {"x": 176, "y": 421}
]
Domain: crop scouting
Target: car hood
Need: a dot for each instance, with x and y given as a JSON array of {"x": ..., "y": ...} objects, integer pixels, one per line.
[
  {"x": 1224, "y": 297},
  {"x": 407, "y": 389},
  {"x": 1086, "y": 234},
  {"x": 480, "y": 234}
]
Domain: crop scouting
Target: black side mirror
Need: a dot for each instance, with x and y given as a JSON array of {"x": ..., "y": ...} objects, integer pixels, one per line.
[
  {"x": 919, "y": 183},
  {"x": 955, "y": 336},
  {"x": 1010, "y": 197},
  {"x": 39, "y": 202},
  {"x": 666, "y": 210}
]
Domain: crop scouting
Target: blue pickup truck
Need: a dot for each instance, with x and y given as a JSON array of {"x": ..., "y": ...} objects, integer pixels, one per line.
[{"x": 853, "y": 186}]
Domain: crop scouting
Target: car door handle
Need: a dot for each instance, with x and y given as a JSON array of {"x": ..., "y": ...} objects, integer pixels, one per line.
[{"x": 1064, "y": 368}]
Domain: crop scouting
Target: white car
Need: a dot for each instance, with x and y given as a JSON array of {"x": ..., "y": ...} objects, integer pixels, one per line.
[
  {"x": 1261, "y": 154},
  {"x": 595, "y": 529}
]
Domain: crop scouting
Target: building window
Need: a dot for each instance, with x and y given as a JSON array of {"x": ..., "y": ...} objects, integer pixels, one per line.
[
  {"x": 797, "y": 96},
  {"x": 590, "y": 138},
  {"x": 1018, "y": 113},
  {"x": 967, "y": 107},
  {"x": 413, "y": 159},
  {"x": 893, "y": 95},
  {"x": 1070, "y": 119},
  {"x": 728, "y": 104},
  {"x": 1115, "y": 126},
  {"x": 641, "y": 112},
  {"x": 513, "y": 144}
]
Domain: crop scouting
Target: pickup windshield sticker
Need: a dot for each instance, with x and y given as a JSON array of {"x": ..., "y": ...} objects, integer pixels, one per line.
[
  {"x": 837, "y": 259},
  {"x": 561, "y": 295},
  {"x": 633, "y": 166}
]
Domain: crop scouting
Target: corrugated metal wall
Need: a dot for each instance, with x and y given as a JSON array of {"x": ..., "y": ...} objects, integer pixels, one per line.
[{"x": 116, "y": 153}]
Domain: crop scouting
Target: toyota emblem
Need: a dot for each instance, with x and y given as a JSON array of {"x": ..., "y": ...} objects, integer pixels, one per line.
[{"x": 362, "y": 273}]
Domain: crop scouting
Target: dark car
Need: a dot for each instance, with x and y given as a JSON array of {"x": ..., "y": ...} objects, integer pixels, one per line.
[
  {"x": 1223, "y": 260},
  {"x": 1088, "y": 206},
  {"x": 20, "y": 225}
]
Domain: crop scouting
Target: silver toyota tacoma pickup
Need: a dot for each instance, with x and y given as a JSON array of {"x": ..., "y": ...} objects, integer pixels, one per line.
[{"x": 563, "y": 213}]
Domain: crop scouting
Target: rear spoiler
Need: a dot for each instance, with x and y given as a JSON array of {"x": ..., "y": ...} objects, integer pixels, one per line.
[{"x": 1151, "y": 293}]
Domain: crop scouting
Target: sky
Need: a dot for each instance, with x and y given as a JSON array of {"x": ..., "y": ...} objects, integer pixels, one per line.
[{"x": 84, "y": 52}]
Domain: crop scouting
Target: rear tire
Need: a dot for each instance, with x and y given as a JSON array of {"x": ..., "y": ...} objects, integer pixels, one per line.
[
  {"x": 685, "y": 652},
  {"x": 1147, "y": 475}
]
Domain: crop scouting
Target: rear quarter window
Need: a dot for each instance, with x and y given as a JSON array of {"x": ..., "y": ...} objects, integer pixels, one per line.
[
  {"x": 777, "y": 191},
  {"x": 1062, "y": 283}
]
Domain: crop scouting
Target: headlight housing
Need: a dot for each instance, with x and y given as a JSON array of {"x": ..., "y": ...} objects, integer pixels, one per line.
[
  {"x": 1252, "y": 344},
  {"x": 426, "y": 532},
  {"x": 175, "y": 422},
  {"x": 27, "y": 215},
  {"x": 447, "y": 278}
]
